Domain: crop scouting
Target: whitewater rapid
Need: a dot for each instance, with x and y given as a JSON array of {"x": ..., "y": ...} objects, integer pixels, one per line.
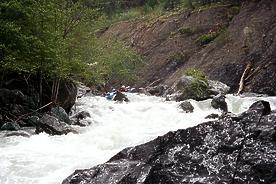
[{"x": 44, "y": 159}]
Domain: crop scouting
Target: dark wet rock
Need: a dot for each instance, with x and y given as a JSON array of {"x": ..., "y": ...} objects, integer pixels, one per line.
[
  {"x": 60, "y": 114},
  {"x": 120, "y": 97},
  {"x": 217, "y": 87},
  {"x": 81, "y": 115},
  {"x": 83, "y": 122},
  {"x": 228, "y": 150},
  {"x": 11, "y": 126},
  {"x": 67, "y": 95},
  {"x": 53, "y": 126},
  {"x": 80, "y": 118},
  {"x": 82, "y": 90},
  {"x": 11, "y": 97},
  {"x": 212, "y": 116},
  {"x": 219, "y": 102},
  {"x": 187, "y": 107},
  {"x": 18, "y": 133},
  {"x": 31, "y": 121},
  {"x": 157, "y": 90}
]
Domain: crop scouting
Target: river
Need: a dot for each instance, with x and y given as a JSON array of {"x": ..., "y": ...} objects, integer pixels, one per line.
[{"x": 44, "y": 159}]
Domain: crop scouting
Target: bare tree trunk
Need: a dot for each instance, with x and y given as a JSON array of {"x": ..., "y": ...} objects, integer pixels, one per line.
[{"x": 243, "y": 77}]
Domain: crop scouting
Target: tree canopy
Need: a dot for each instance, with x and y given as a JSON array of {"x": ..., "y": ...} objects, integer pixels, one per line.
[{"x": 57, "y": 38}]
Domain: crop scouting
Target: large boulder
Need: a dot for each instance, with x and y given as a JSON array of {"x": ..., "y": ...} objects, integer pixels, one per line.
[
  {"x": 51, "y": 125},
  {"x": 60, "y": 114},
  {"x": 11, "y": 126},
  {"x": 188, "y": 87},
  {"x": 187, "y": 107},
  {"x": 228, "y": 150},
  {"x": 217, "y": 87},
  {"x": 218, "y": 102}
]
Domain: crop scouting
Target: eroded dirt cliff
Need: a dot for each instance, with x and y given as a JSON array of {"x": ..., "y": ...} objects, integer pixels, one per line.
[{"x": 244, "y": 34}]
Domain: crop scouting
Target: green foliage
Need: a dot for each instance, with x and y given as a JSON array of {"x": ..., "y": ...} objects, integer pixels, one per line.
[
  {"x": 170, "y": 4},
  {"x": 198, "y": 89},
  {"x": 57, "y": 38},
  {"x": 197, "y": 74},
  {"x": 223, "y": 37},
  {"x": 186, "y": 30},
  {"x": 37, "y": 35},
  {"x": 207, "y": 38},
  {"x": 234, "y": 10},
  {"x": 111, "y": 60},
  {"x": 177, "y": 57}
]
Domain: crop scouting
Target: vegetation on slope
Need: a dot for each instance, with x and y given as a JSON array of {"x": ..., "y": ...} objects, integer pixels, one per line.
[{"x": 56, "y": 39}]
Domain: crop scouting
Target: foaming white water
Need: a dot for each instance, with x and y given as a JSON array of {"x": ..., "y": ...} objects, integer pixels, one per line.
[{"x": 44, "y": 159}]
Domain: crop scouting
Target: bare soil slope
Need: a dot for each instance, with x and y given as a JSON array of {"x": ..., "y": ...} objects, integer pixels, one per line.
[{"x": 246, "y": 34}]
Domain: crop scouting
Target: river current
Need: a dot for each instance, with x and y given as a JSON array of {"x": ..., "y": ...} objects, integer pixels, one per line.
[{"x": 44, "y": 159}]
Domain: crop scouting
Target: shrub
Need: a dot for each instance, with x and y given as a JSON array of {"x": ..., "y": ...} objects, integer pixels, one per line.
[
  {"x": 198, "y": 89},
  {"x": 207, "y": 38},
  {"x": 178, "y": 57},
  {"x": 197, "y": 74},
  {"x": 186, "y": 30}
]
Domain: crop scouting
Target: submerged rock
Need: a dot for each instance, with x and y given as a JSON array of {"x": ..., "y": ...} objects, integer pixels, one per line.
[
  {"x": 53, "y": 126},
  {"x": 219, "y": 102},
  {"x": 212, "y": 116},
  {"x": 18, "y": 133},
  {"x": 228, "y": 150},
  {"x": 187, "y": 107},
  {"x": 79, "y": 118}
]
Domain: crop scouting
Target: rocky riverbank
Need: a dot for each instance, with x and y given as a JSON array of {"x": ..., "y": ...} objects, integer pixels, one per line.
[{"x": 25, "y": 102}]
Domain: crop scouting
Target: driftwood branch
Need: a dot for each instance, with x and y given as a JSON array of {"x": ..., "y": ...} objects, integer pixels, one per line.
[
  {"x": 244, "y": 75},
  {"x": 27, "y": 114}
]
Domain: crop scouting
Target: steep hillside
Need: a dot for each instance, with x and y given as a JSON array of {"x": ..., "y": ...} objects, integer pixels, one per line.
[{"x": 181, "y": 40}]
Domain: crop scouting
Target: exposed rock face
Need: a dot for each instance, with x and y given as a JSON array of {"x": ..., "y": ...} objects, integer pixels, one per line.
[
  {"x": 187, "y": 107},
  {"x": 219, "y": 102},
  {"x": 229, "y": 150},
  {"x": 53, "y": 126}
]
